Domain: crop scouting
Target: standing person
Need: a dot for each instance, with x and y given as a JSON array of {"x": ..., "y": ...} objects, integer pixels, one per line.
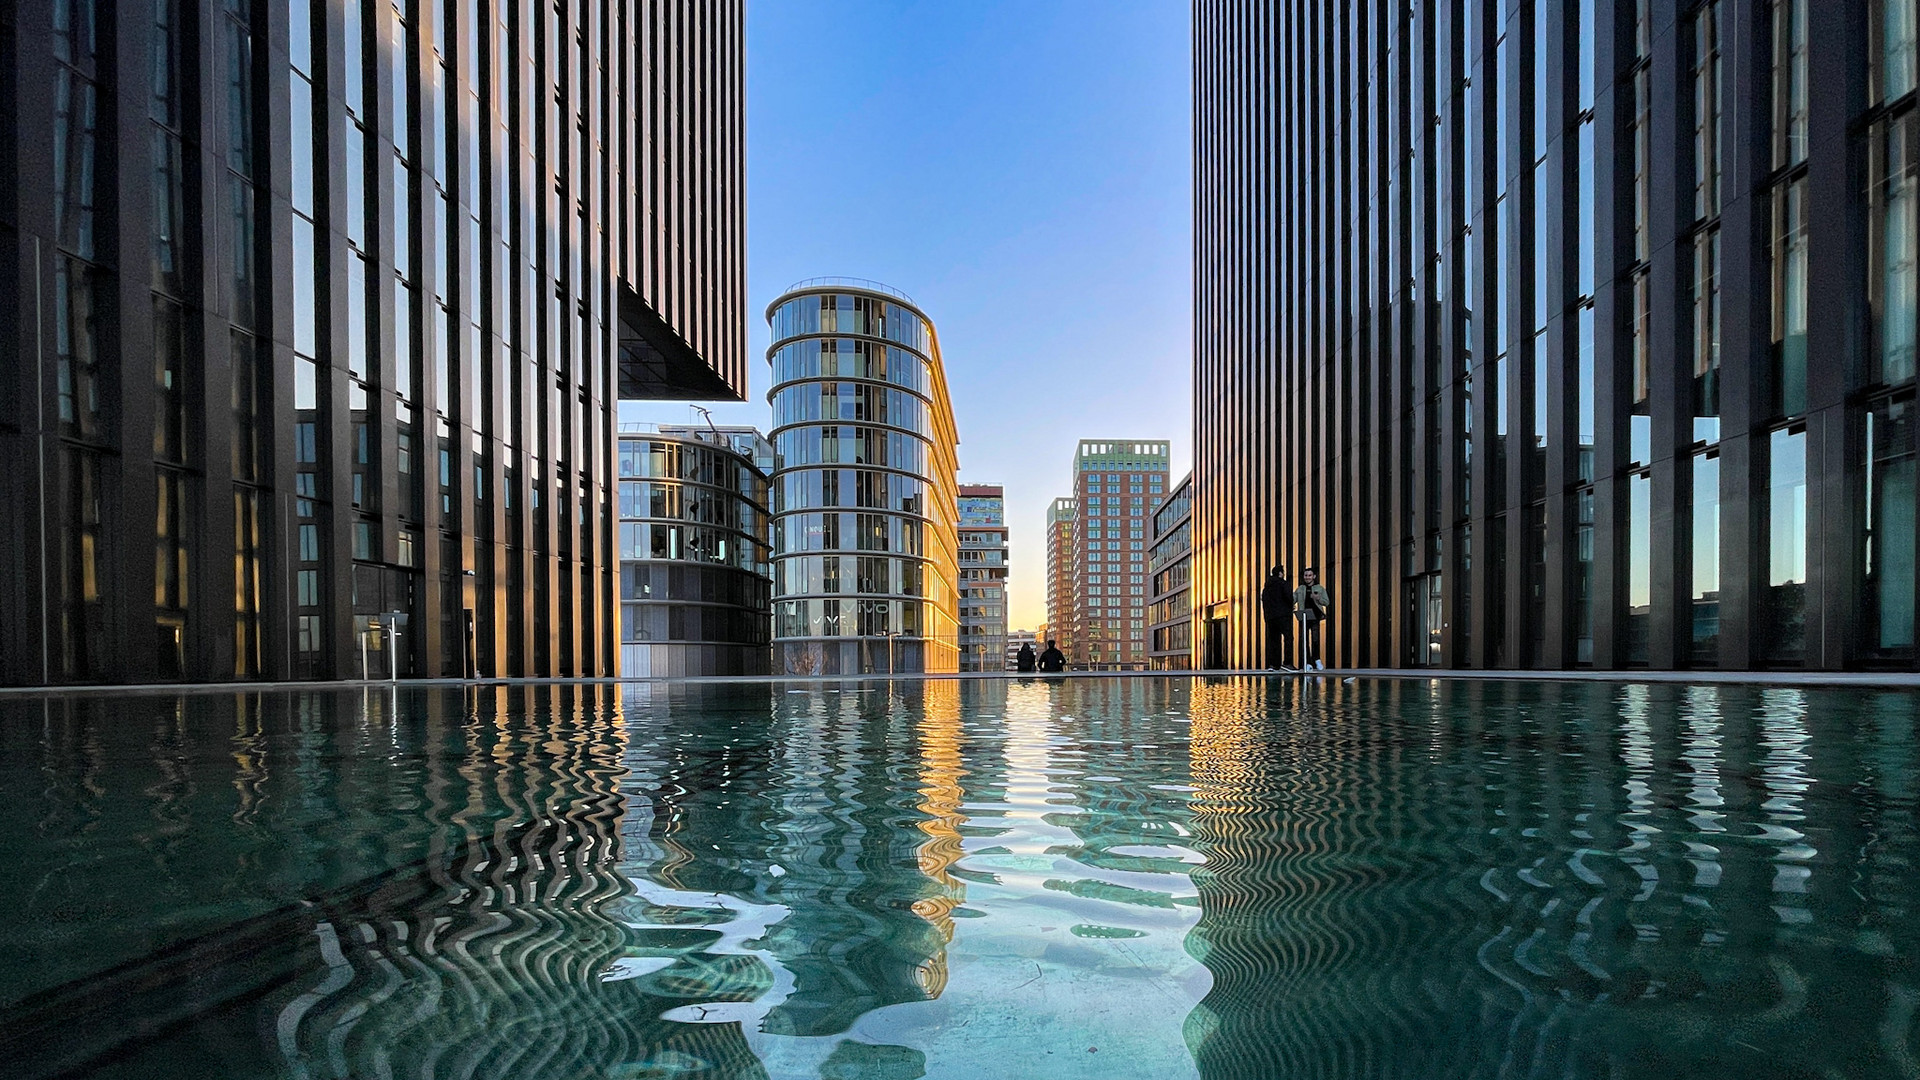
[
  {"x": 1053, "y": 661},
  {"x": 1023, "y": 660},
  {"x": 1311, "y": 607},
  {"x": 1276, "y": 606}
]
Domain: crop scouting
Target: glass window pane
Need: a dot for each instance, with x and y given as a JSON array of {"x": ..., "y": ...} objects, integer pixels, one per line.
[
  {"x": 1639, "y": 565},
  {"x": 1891, "y": 525},
  {"x": 357, "y": 315},
  {"x": 1706, "y": 558},
  {"x": 301, "y": 112},
  {"x": 1892, "y": 279},
  {"x": 1787, "y": 543},
  {"x": 304, "y": 287}
]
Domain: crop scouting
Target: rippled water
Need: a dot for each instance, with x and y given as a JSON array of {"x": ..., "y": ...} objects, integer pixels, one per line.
[{"x": 1231, "y": 879}]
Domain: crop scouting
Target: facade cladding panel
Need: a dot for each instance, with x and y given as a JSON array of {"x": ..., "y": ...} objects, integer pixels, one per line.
[
  {"x": 1170, "y": 569},
  {"x": 865, "y": 536},
  {"x": 1060, "y": 609},
  {"x": 696, "y": 575},
  {"x": 983, "y": 577},
  {"x": 1117, "y": 487},
  {"x": 319, "y": 307},
  {"x": 1559, "y": 332}
]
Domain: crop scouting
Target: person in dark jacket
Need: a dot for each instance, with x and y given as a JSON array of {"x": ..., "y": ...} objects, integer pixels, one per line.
[
  {"x": 1312, "y": 607},
  {"x": 1276, "y": 607},
  {"x": 1053, "y": 661},
  {"x": 1023, "y": 660}
]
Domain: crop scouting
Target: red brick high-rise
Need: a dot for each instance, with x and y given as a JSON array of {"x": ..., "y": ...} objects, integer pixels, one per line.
[{"x": 1116, "y": 486}]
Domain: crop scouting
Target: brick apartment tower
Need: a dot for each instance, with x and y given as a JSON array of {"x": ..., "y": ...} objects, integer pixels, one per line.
[
  {"x": 1060, "y": 609},
  {"x": 1116, "y": 486},
  {"x": 983, "y": 577}
]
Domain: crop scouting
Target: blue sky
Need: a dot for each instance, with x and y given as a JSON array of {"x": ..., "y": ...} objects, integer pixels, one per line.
[{"x": 1023, "y": 171}]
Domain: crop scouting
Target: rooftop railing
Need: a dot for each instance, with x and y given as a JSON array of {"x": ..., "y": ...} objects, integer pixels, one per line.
[{"x": 866, "y": 284}]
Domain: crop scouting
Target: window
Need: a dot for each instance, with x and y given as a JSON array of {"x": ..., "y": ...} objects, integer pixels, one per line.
[
  {"x": 1789, "y": 82},
  {"x": 1891, "y": 494},
  {"x": 171, "y": 548},
  {"x": 1707, "y": 110},
  {"x": 1891, "y": 254},
  {"x": 1640, "y": 440},
  {"x": 1892, "y": 49},
  {"x": 1642, "y": 161},
  {"x": 1787, "y": 544},
  {"x": 171, "y": 394},
  {"x": 1790, "y": 298},
  {"x": 1706, "y": 557},
  {"x": 1639, "y": 565},
  {"x": 1706, "y": 335},
  {"x": 1583, "y": 580}
]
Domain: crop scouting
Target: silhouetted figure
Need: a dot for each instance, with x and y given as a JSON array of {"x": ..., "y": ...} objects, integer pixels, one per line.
[
  {"x": 1053, "y": 661},
  {"x": 1023, "y": 660},
  {"x": 1311, "y": 606},
  {"x": 1276, "y": 607}
]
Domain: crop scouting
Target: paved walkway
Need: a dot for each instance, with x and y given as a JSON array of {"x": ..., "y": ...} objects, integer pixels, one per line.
[{"x": 1857, "y": 679}]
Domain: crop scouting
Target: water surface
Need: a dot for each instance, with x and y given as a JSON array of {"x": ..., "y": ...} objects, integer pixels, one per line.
[{"x": 1231, "y": 879}]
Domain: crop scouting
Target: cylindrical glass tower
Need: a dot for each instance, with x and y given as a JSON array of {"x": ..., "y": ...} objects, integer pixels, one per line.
[
  {"x": 865, "y": 547},
  {"x": 694, "y": 588}
]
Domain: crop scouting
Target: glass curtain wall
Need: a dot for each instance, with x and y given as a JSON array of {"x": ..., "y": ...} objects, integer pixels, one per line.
[
  {"x": 865, "y": 537},
  {"x": 1531, "y": 237}
]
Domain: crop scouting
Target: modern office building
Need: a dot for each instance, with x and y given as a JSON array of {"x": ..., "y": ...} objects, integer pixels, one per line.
[
  {"x": 1560, "y": 332},
  {"x": 696, "y": 572},
  {"x": 983, "y": 577},
  {"x": 1060, "y": 607},
  {"x": 1170, "y": 645},
  {"x": 315, "y": 317},
  {"x": 865, "y": 549},
  {"x": 1117, "y": 486}
]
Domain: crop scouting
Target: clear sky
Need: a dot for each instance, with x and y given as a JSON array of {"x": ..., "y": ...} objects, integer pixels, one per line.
[{"x": 1023, "y": 170}]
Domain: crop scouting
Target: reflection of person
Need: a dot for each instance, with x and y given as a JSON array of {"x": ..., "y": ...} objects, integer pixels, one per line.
[
  {"x": 1023, "y": 660},
  {"x": 1053, "y": 660},
  {"x": 1311, "y": 607},
  {"x": 1275, "y": 607}
]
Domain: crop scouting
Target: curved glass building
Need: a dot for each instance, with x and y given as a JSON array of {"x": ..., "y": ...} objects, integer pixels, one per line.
[
  {"x": 865, "y": 546},
  {"x": 694, "y": 588}
]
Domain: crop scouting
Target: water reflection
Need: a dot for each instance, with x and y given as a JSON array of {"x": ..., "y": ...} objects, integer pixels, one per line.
[
  {"x": 1230, "y": 879},
  {"x": 1505, "y": 880}
]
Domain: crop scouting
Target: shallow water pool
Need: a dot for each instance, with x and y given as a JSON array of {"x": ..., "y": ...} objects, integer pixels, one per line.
[{"x": 1234, "y": 879}]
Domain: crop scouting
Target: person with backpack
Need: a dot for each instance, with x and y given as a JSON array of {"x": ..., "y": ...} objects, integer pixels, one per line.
[{"x": 1312, "y": 607}]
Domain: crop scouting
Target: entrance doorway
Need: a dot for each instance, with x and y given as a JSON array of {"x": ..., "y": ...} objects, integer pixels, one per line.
[{"x": 1213, "y": 656}]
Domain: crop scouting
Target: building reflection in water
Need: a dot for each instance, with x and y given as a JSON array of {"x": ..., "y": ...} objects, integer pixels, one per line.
[
  {"x": 330, "y": 885},
  {"x": 1493, "y": 880},
  {"x": 840, "y": 809},
  {"x": 1396, "y": 878}
]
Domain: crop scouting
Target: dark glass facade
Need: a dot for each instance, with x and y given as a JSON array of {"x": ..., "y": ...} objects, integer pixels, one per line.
[
  {"x": 314, "y": 315},
  {"x": 865, "y": 539},
  {"x": 696, "y": 588},
  {"x": 1560, "y": 333}
]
